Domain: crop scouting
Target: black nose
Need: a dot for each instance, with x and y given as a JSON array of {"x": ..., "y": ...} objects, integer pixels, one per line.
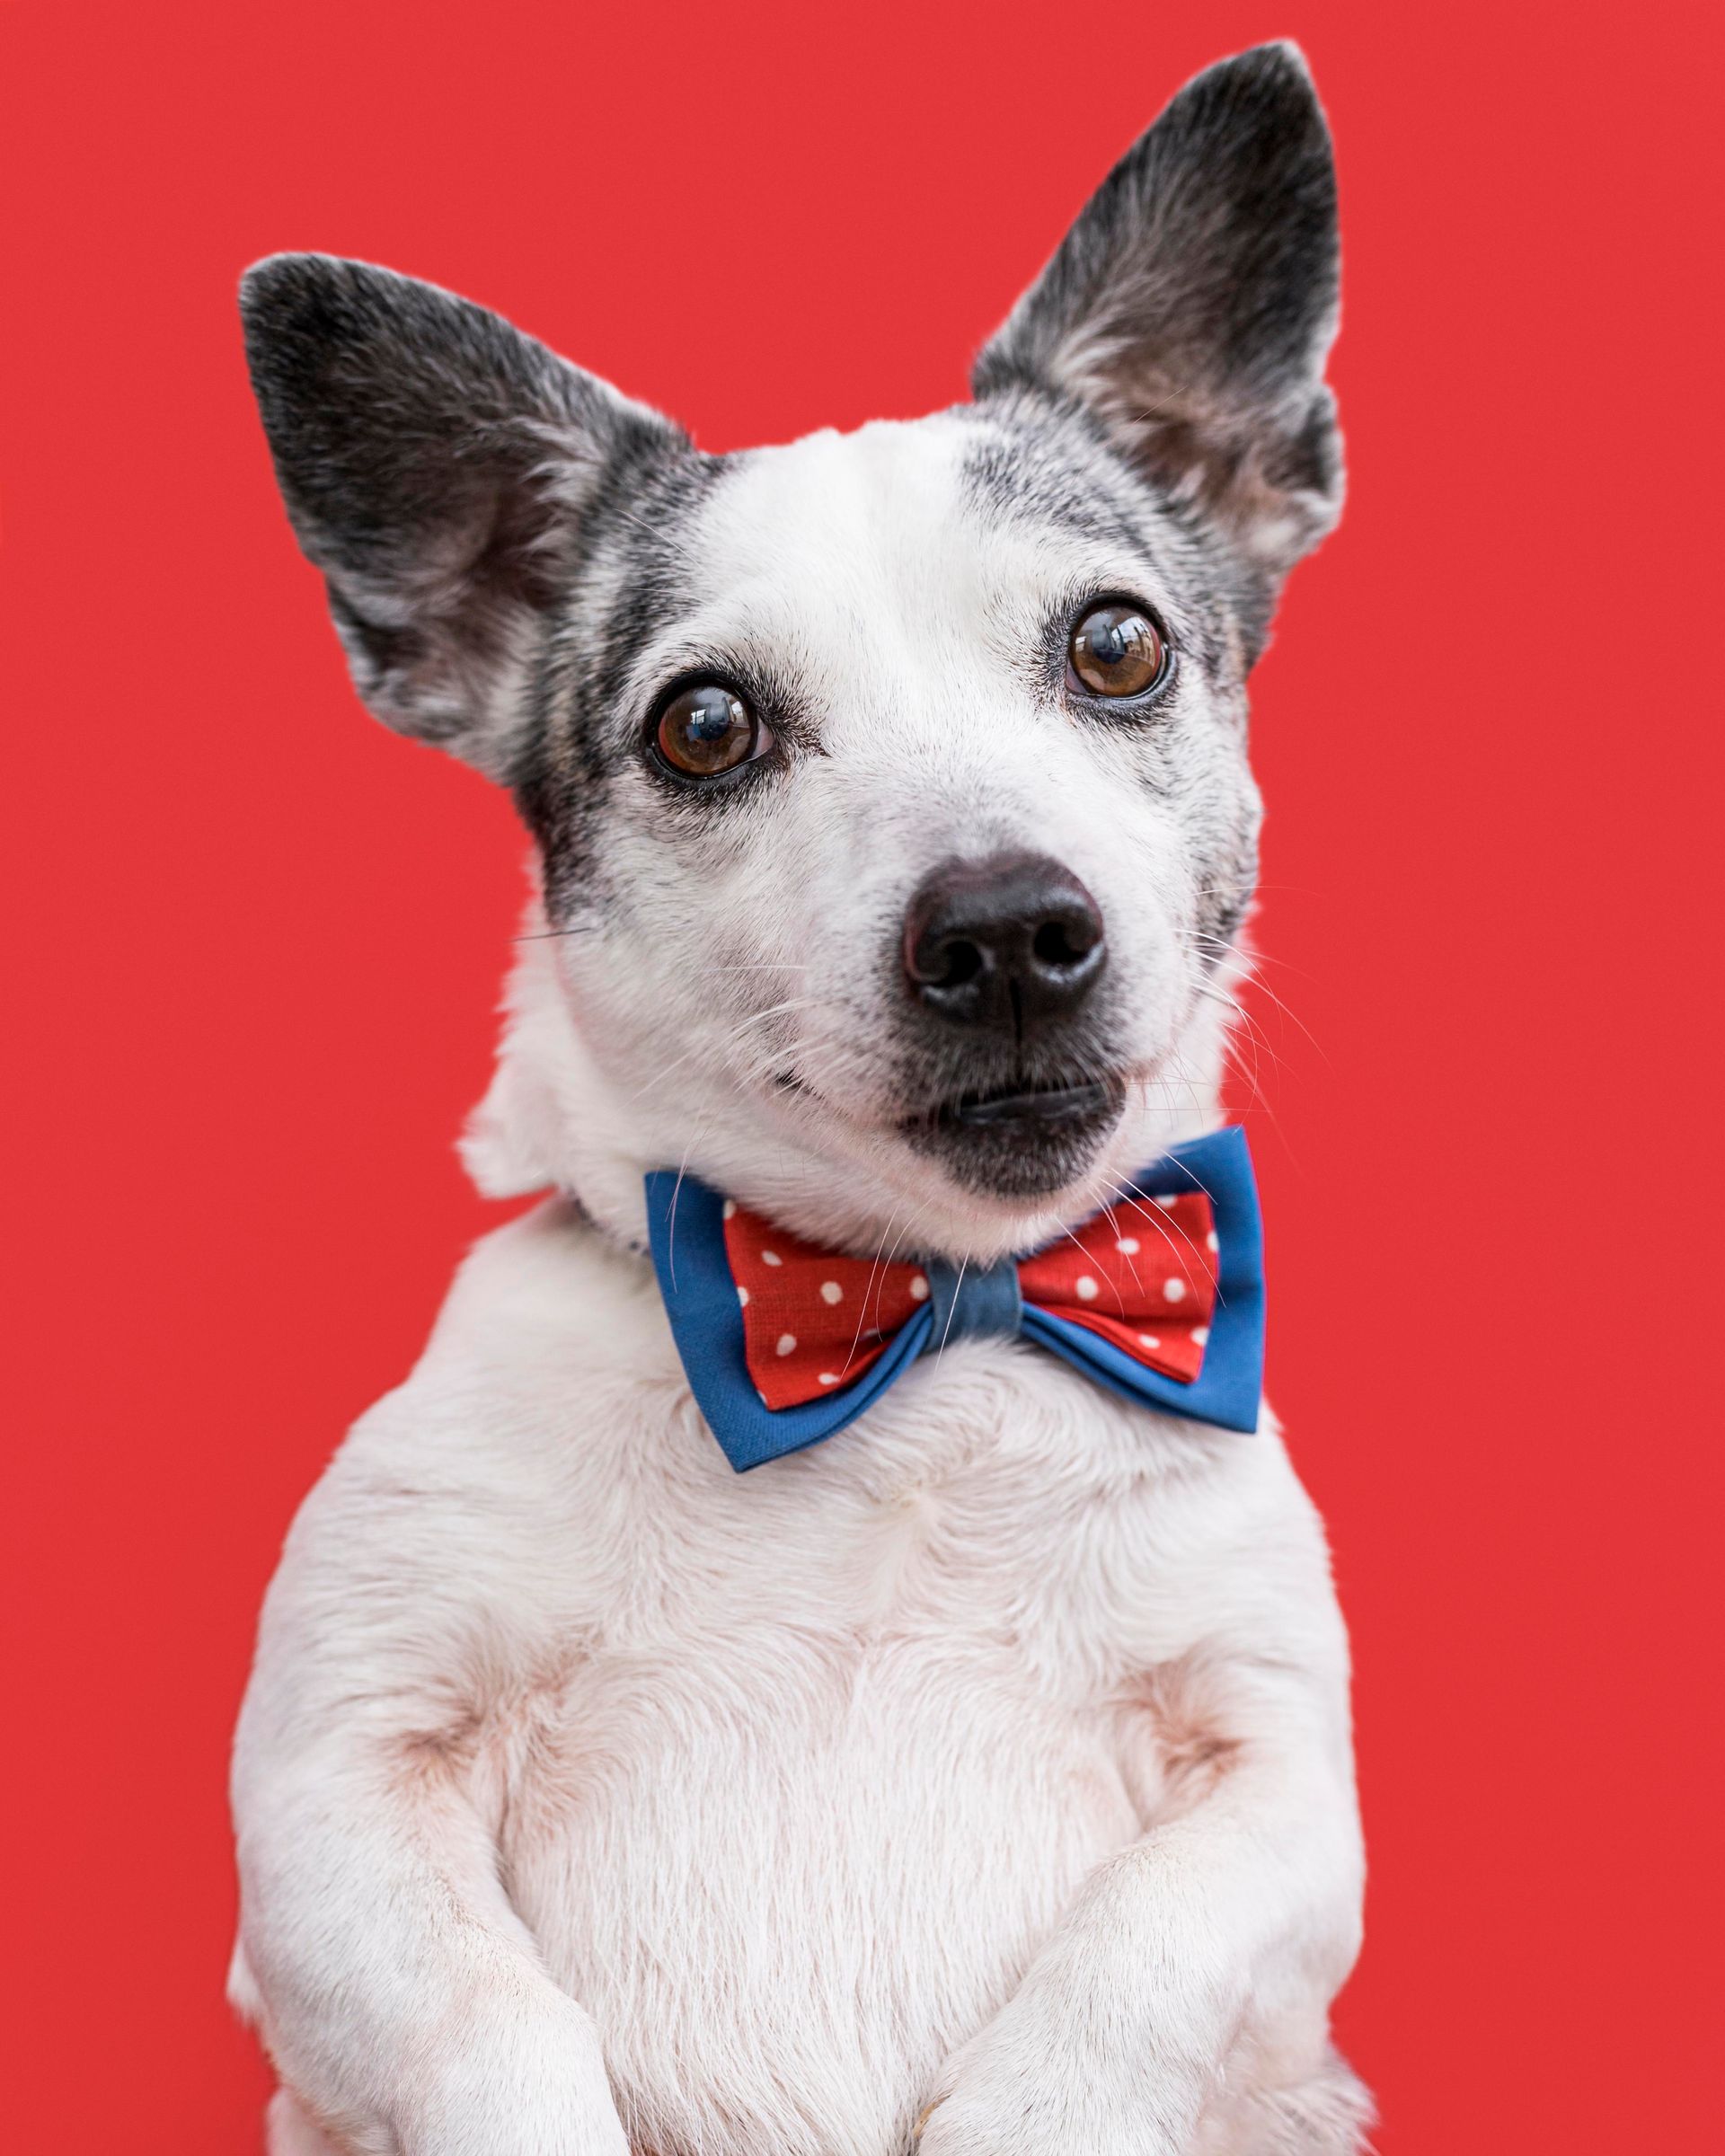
[{"x": 1012, "y": 943}]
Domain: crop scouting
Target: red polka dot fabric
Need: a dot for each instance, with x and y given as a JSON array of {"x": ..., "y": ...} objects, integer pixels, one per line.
[
  {"x": 811, "y": 1321},
  {"x": 1142, "y": 1274}
]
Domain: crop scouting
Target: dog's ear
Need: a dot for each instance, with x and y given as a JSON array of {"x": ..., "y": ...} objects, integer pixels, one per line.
[
  {"x": 1192, "y": 306},
  {"x": 436, "y": 465}
]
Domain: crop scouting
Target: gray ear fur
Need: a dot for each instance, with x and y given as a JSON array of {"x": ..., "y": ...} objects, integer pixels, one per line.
[
  {"x": 1193, "y": 302},
  {"x": 434, "y": 464}
]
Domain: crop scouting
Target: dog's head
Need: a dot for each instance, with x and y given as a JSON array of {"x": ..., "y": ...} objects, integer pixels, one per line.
[{"x": 891, "y": 790}]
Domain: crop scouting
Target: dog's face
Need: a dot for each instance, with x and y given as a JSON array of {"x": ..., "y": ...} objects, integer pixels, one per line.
[
  {"x": 859, "y": 869},
  {"x": 891, "y": 788}
]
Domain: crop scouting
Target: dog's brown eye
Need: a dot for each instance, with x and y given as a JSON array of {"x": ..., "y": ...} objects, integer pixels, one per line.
[
  {"x": 706, "y": 729},
  {"x": 1117, "y": 652}
]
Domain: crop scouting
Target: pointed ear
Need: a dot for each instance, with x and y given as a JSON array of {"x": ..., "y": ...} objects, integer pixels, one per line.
[
  {"x": 436, "y": 465},
  {"x": 1192, "y": 304}
]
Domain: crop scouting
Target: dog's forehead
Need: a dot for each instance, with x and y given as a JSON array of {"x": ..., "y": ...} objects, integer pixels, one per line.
[
  {"x": 901, "y": 530},
  {"x": 867, "y": 504}
]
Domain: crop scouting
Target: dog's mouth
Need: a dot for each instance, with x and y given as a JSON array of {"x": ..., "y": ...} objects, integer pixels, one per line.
[
  {"x": 1033, "y": 1108},
  {"x": 1014, "y": 1142},
  {"x": 1021, "y": 1141}
]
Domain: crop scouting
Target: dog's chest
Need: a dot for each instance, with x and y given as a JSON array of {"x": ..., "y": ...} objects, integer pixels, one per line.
[
  {"x": 851, "y": 1728},
  {"x": 996, "y": 1512}
]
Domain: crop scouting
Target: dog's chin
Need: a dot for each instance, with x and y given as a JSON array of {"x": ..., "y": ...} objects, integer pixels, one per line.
[{"x": 1021, "y": 1145}]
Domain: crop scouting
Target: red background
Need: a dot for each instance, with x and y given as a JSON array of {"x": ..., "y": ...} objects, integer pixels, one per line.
[{"x": 258, "y": 940}]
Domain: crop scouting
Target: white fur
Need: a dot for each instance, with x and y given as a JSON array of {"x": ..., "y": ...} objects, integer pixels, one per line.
[{"x": 993, "y": 1756}]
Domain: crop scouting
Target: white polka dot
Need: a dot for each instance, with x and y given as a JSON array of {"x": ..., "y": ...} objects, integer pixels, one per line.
[
  {"x": 730, "y": 1208},
  {"x": 1087, "y": 1288},
  {"x": 1164, "y": 1201},
  {"x": 771, "y": 1257},
  {"x": 742, "y": 1296},
  {"x": 826, "y": 1378},
  {"x": 831, "y": 1292},
  {"x": 919, "y": 1288},
  {"x": 787, "y": 1343},
  {"x": 1200, "y": 1333},
  {"x": 1211, "y": 1242},
  {"x": 1127, "y": 1246},
  {"x": 1175, "y": 1290},
  {"x": 1149, "y": 1340}
]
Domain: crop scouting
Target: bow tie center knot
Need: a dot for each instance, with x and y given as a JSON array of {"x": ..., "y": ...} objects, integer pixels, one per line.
[{"x": 973, "y": 1301}]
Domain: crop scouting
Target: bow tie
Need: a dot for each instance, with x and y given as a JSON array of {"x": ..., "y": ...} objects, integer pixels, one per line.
[{"x": 1161, "y": 1297}]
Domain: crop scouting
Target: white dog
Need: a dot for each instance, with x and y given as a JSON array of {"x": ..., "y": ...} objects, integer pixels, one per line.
[{"x": 978, "y": 1778}]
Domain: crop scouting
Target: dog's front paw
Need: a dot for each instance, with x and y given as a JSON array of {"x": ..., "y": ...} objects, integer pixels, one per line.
[
  {"x": 527, "y": 2084},
  {"x": 1039, "y": 2083}
]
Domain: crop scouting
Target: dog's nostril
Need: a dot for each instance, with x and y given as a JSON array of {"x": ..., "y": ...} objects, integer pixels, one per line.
[
  {"x": 960, "y": 961},
  {"x": 1061, "y": 943}
]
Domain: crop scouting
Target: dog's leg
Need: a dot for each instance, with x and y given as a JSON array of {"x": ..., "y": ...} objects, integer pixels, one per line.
[
  {"x": 399, "y": 1992},
  {"x": 1220, "y": 1938}
]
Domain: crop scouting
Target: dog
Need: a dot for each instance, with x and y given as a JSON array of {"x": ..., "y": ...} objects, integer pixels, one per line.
[{"x": 979, "y": 1779}]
